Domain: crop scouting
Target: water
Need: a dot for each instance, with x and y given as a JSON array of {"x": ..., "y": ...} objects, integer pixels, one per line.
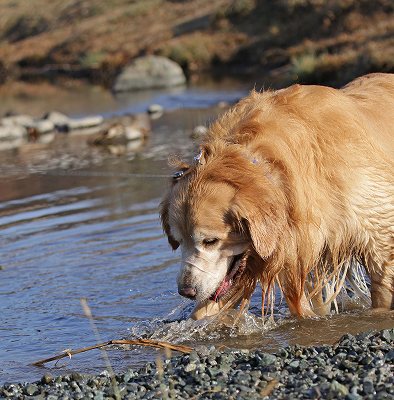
[
  {"x": 80, "y": 100},
  {"x": 76, "y": 222}
]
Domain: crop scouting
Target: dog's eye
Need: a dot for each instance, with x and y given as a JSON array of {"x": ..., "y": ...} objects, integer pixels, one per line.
[{"x": 210, "y": 242}]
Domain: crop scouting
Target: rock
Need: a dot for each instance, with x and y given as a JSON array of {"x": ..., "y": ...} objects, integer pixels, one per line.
[
  {"x": 295, "y": 364},
  {"x": 190, "y": 367},
  {"x": 86, "y": 122},
  {"x": 387, "y": 335},
  {"x": 63, "y": 123},
  {"x": 18, "y": 120},
  {"x": 31, "y": 389},
  {"x": 124, "y": 135},
  {"x": 12, "y": 132},
  {"x": 126, "y": 129},
  {"x": 117, "y": 134},
  {"x": 368, "y": 386},
  {"x": 266, "y": 359},
  {"x": 42, "y": 126},
  {"x": 155, "y": 111},
  {"x": 58, "y": 118},
  {"x": 139, "y": 121},
  {"x": 337, "y": 387},
  {"x": 390, "y": 356},
  {"x": 12, "y": 137},
  {"x": 47, "y": 378},
  {"x": 149, "y": 72},
  {"x": 199, "y": 131}
]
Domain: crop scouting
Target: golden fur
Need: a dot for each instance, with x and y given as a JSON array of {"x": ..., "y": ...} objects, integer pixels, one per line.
[{"x": 306, "y": 175}]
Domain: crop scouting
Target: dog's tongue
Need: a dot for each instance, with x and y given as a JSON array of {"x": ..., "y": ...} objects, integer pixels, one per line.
[
  {"x": 223, "y": 287},
  {"x": 239, "y": 264}
]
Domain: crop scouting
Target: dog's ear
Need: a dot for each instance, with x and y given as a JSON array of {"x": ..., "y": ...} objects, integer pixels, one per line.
[
  {"x": 261, "y": 218},
  {"x": 181, "y": 170},
  {"x": 164, "y": 209}
]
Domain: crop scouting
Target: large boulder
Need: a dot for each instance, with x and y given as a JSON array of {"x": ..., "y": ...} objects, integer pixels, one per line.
[{"x": 149, "y": 72}]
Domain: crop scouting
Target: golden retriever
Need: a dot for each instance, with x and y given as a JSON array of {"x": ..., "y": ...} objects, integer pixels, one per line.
[{"x": 294, "y": 188}]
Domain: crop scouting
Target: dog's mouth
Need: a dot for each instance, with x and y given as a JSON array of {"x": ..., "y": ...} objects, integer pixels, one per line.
[{"x": 235, "y": 270}]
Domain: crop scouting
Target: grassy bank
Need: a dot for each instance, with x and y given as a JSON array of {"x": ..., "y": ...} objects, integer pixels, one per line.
[{"x": 297, "y": 40}]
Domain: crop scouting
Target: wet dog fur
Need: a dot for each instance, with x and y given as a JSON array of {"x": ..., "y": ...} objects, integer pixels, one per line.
[{"x": 302, "y": 179}]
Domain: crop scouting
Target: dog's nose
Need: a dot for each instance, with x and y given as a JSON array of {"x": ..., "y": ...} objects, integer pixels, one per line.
[{"x": 187, "y": 291}]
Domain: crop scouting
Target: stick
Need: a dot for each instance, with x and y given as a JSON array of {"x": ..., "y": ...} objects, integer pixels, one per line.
[{"x": 136, "y": 342}]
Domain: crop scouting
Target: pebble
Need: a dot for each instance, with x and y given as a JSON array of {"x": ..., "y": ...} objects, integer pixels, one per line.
[
  {"x": 31, "y": 389},
  {"x": 358, "y": 367}
]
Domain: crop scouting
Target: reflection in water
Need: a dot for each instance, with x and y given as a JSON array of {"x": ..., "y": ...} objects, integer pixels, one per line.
[
  {"x": 81, "y": 100},
  {"x": 96, "y": 235}
]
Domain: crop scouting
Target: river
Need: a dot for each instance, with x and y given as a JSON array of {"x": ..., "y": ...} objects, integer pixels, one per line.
[{"x": 79, "y": 223}]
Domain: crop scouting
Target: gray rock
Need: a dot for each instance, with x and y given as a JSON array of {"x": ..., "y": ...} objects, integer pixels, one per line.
[
  {"x": 368, "y": 386},
  {"x": 12, "y": 137},
  {"x": 388, "y": 335},
  {"x": 64, "y": 123},
  {"x": 58, "y": 118},
  {"x": 86, "y": 122},
  {"x": 28, "y": 122},
  {"x": 267, "y": 359},
  {"x": 190, "y": 367},
  {"x": 18, "y": 120},
  {"x": 47, "y": 378},
  {"x": 149, "y": 72},
  {"x": 199, "y": 131},
  {"x": 295, "y": 364},
  {"x": 339, "y": 388},
  {"x": 155, "y": 111},
  {"x": 31, "y": 389},
  {"x": 10, "y": 132},
  {"x": 44, "y": 126},
  {"x": 127, "y": 132},
  {"x": 390, "y": 356}
]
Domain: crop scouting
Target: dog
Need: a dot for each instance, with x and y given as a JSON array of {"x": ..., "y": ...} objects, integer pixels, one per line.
[{"x": 292, "y": 188}]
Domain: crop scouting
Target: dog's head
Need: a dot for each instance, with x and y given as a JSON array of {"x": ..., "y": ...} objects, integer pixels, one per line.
[{"x": 217, "y": 211}]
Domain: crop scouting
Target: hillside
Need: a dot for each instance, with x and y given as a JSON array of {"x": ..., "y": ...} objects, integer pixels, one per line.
[{"x": 305, "y": 40}]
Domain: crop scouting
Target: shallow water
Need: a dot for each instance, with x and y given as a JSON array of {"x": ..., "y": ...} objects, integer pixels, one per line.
[{"x": 77, "y": 223}]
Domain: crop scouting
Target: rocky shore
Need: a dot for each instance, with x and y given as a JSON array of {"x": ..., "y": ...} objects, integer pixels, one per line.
[
  {"x": 357, "y": 367},
  {"x": 17, "y": 130}
]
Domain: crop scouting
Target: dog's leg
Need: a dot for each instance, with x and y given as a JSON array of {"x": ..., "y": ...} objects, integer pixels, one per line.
[
  {"x": 319, "y": 306},
  {"x": 382, "y": 288},
  {"x": 300, "y": 306},
  {"x": 293, "y": 288}
]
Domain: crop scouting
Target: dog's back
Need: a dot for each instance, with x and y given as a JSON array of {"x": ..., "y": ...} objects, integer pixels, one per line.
[
  {"x": 334, "y": 150},
  {"x": 374, "y": 95}
]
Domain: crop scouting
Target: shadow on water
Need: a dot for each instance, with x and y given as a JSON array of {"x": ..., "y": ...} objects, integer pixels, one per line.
[{"x": 75, "y": 223}]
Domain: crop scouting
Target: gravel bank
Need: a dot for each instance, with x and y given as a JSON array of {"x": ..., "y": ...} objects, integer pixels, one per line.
[{"x": 357, "y": 367}]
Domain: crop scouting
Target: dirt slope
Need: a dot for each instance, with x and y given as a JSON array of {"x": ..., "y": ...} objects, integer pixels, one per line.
[{"x": 305, "y": 40}]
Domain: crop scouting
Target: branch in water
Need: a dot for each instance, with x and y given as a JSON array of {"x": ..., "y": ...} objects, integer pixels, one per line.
[{"x": 136, "y": 342}]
